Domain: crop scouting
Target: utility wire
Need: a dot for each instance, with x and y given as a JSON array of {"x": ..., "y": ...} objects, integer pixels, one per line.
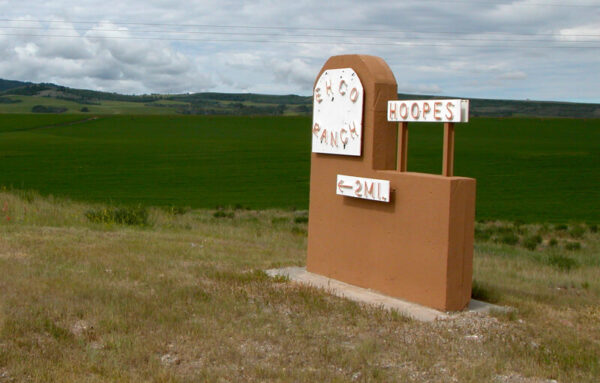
[
  {"x": 521, "y": 4},
  {"x": 220, "y": 26},
  {"x": 265, "y": 34},
  {"x": 395, "y": 43}
]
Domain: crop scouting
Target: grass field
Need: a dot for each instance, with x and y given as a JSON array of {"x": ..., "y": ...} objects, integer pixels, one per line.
[
  {"x": 105, "y": 107},
  {"x": 182, "y": 297},
  {"x": 535, "y": 170}
]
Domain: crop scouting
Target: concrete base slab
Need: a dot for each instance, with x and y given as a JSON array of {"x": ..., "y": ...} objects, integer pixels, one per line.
[{"x": 359, "y": 294}]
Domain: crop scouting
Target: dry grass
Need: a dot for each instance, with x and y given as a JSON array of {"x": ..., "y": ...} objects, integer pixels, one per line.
[{"x": 184, "y": 299}]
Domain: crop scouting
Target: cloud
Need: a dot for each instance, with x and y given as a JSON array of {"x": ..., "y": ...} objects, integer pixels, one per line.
[
  {"x": 419, "y": 88},
  {"x": 105, "y": 56},
  {"x": 515, "y": 75},
  {"x": 295, "y": 71},
  {"x": 500, "y": 49}
]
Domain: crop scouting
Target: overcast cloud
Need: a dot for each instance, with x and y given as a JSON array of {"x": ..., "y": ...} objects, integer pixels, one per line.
[{"x": 535, "y": 49}]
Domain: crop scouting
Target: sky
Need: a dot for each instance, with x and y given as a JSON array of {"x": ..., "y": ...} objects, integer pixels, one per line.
[{"x": 521, "y": 49}]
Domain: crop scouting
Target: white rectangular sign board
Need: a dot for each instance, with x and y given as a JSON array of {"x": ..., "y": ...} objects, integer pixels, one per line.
[
  {"x": 366, "y": 188},
  {"x": 337, "y": 113},
  {"x": 428, "y": 110}
]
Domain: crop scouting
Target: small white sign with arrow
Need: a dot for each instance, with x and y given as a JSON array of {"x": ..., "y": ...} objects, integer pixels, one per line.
[{"x": 366, "y": 188}]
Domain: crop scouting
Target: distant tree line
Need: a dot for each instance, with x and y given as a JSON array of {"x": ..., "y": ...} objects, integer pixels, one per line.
[
  {"x": 6, "y": 100},
  {"x": 48, "y": 109}
]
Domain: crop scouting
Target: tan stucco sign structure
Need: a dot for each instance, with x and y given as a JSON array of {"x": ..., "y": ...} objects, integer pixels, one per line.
[{"x": 371, "y": 223}]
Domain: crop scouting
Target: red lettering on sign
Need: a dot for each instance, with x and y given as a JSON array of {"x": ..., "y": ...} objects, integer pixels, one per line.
[
  {"x": 324, "y": 136},
  {"x": 449, "y": 107},
  {"x": 412, "y": 111},
  {"x": 333, "y": 141},
  {"x": 369, "y": 190},
  {"x": 403, "y": 115},
  {"x": 328, "y": 89},
  {"x": 342, "y": 139},
  {"x": 353, "y": 95},
  {"x": 318, "y": 95},
  {"x": 426, "y": 109},
  {"x": 358, "y": 190},
  {"x": 392, "y": 110},
  {"x": 316, "y": 129},
  {"x": 343, "y": 87},
  {"x": 353, "y": 130},
  {"x": 436, "y": 105}
]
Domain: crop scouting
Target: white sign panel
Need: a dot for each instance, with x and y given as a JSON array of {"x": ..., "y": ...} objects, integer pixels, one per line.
[
  {"x": 337, "y": 113},
  {"x": 429, "y": 110},
  {"x": 366, "y": 188}
]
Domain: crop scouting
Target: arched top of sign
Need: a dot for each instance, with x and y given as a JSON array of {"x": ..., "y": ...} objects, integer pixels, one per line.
[{"x": 337, "y": 113}]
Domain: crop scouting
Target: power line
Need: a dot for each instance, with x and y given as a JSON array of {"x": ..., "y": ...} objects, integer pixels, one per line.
[
  {"x": 521, "y": 4},
  {"x": 221, "y": 26},
  {"x": 396, "y": 43},
  {"x": 305, "y": 35}
]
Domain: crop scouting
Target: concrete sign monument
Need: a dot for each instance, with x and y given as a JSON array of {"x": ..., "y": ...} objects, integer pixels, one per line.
[{"x": 371, "y": 223}]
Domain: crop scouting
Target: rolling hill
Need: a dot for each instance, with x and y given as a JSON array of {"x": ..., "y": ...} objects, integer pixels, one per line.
[{"x": 22, "y": 97}]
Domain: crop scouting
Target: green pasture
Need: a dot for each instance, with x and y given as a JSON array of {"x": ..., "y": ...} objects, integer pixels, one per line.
[
  {"x": 526, "y": 169},
  {"x": 102, "y": 107}
]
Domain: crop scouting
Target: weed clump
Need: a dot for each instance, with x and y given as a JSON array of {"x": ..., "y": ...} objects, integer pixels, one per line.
[
  {"x": 561, "y": 262},
  {"x": 573, "y": 245},
  {"x": 131, "y": 216},
  {"x": 560, "y": 227},
  {"x": 509, "y": 239},
  {"x": 223, "y": 214},
  {"x": 301, "y": 219},
  {"x": 532, "y": 242},
  {"x": 482, "y": 234},
  {"x": 177, "y": 210},
  {"x": 279, "y": 220},
  {"x": 577, "y": 231}
]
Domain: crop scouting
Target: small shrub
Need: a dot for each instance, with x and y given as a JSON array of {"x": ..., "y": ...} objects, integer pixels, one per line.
[
  {"x": 518, "y": 227},
  {"x": 585, "y": 285},
  {"x": 508, "y": 239},
  {"x": 561, "y": 262},
  {"x": 503, "y": 229},
  {"x": 577, "y": 231},
  {"x": 572, "y": 245},
  {"x": 279, "y": 220},
  {"x": 552, "y": 242},
  {"x": 26, "y": 195},
  {"x": 223, "y": 214},
  {"x": 543, "y": 229},
  {"x": 301, "y": 219},
  {"x": 482, "y": 234},
  {"x": 132, "y": 216},
  {"x": 532, "y": 242},
  {"x": 593, "y": 227},
  {"x": 560, "y": 227},
  {"x": 299, "y": 230},
  {"x": 177, "y": 210}
]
